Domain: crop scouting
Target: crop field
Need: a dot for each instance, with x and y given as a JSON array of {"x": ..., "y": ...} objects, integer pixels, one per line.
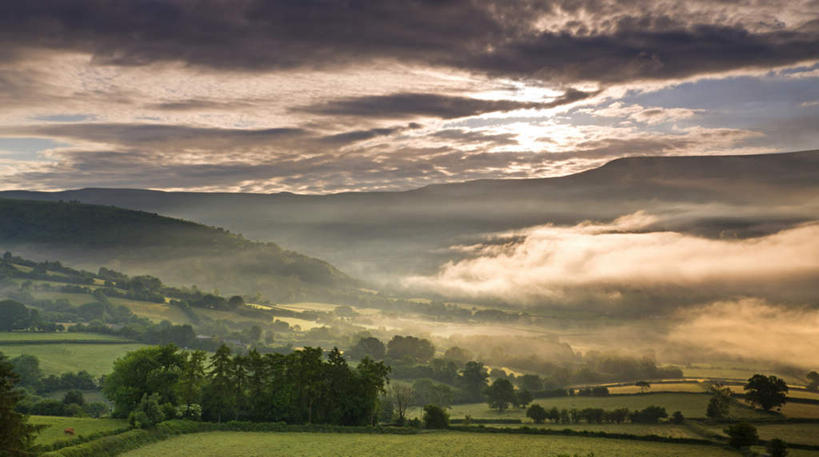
[
  {"x": 738, "y": 373},
  {"x": 57, "y": 358},
  {"x": 55, "y": 430},
  {"x": 23, "y": 337},
  {"x": 793, "y": 393},
  {"x": 691, "y": 405},
  {"x": 801, "y": 410},
  {"x": 236, "y": 444}
]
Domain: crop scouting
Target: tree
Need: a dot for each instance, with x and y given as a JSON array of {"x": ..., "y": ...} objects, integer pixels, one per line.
[
  {"x": 649, "y": 415},
  {"x": 410, "y": 349},
  {"x": 523, "y": 398},
  {"x": 720, "y": 402},
  {"x": 368, "y": 347},
  {"x": 677, "y": 417},
  {"x": 143, "y": 372},
  {"x": 777, "y": 448},
  {"x": 473, "y": 380},
  {"x": 236, "y": 301},
  {"x": 426, "y": 392},
  {"x": 643, "y": 385},
  {"x": 191, "y": 381},
  {"x": 401, "y": 395},
  {"x": 741, "y": 435},
  {"x": 27, "y": 368},
  {"x": 500, "y": 394},
  {"x": 148, "y": 412},
  {"x": 220, "y": 392},
  {"x": 458, "y": 355},
  {"x": 766, "y": 391},
  {"x": 530, "y": 382},
  {"x": 16, "y": 434},
  {"x": 537, "y": 413},
  {"x": 74, "y": 397},
  {"x": 435, "y": 417},
  {"x": 15, "y": 316}
]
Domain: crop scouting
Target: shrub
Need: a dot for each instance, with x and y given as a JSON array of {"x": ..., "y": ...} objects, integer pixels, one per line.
[
  {"x": 677, "y": 417},
  {"x": 537, "y": 413},
  {"x": 741, "y": 435},
  {"x": 147, "y": 413},
  {"x": 777, "y": 448},
  {"x": 435, "y": 417}
]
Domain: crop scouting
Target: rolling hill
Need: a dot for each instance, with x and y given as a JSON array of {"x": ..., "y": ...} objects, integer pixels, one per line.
[
  {"x": 388, "y": 234},
  {"x": 179, "y": 251}
]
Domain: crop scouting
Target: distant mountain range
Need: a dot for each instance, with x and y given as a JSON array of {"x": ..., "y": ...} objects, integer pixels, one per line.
[
  {"x": 182, "y": 252},
  {"x": 388, "y": 234}
]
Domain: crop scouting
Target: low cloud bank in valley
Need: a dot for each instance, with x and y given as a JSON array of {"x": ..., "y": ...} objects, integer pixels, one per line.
[{"x": 628, "y": 265}]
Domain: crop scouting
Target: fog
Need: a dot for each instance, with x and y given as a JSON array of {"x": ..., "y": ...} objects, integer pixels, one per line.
[{"x": 615, "y": 265}]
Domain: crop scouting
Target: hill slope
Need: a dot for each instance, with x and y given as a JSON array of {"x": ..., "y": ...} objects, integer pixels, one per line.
[
  {"x": 183, "y": 252},
  {"x": 372, "y": 233}
]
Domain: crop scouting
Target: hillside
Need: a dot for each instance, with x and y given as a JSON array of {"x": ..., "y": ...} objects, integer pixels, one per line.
[
  {"x": 182, "y": 252},
  {"x": 387, "y": 234}
]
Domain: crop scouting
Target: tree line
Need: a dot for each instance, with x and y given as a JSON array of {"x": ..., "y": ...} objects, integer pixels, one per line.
[{"x": 158, "y": 383}]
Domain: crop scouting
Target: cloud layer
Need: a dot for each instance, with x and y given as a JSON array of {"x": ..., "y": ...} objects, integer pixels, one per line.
[{"x": 628, "y": 266}]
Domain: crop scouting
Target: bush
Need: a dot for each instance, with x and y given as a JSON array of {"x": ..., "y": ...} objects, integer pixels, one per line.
[
  {"x": 649, "y": 415},
  {"x": 148, "y": 413},
  {"x": 777, "y": 448},
  {"x": 677, "y": 417},
  {"x": 742, "y": 435},
  {"x": 435, "y": 417},
  {"x": 537, "y": 413}
]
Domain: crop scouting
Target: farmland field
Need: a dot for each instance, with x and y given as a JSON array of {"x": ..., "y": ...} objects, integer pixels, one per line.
[
  {"x": 691, "y": 405},
  {"x": 96, "y": 359},
  {"x": 664, "y": 387},
  {"x": 81, "y": 425},
  {"x": 16, "y": 337},
  {"x": 230, "y": 444},
  {"x": 156, "y": 312},
  {"x": 667, "y": 430}
]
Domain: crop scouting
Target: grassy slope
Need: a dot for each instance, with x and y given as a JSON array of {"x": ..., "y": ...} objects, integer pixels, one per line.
[
  {"x": 18, "y": 337},
  {"x": 97, "y": 359},
  {"x": 82, "y": 426},
  {"x": 229, "y": 444}
]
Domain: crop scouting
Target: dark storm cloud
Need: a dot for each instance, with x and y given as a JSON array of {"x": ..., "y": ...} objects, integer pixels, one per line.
[
  {"x": 635, "y": 41},
  {"x": 158, "y": 134},
  {"x": 404, "y": 105}
]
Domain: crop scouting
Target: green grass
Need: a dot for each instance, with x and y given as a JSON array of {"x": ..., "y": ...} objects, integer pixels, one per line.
[
  {"x": 97, "y": 359},
  {"x": 73, "y": 299},
  {"x": 90, "y": 396},
  {"x": 55, "y": 430},
  {"x": 18, "y": 337},
  {"x": 667, "y": 430},
  {"x": 791, "y": 433},
  {"x": 156, "y": 312},
  {"x": 691, "y": 405},
  {"x": 236, "y": 444}
]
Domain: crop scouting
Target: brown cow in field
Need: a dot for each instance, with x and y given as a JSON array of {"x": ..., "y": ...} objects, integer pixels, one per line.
[{"x": 69, "y": 431}]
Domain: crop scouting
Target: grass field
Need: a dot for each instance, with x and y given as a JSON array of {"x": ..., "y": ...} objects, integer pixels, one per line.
[
  {"x": 665, "y": 387},
  {"x": 17, "y": 337},
  {"x": 667, "y": 430},
  {"x": 97, "y": 359},
  {"x": 691, "y": 405},
  {"x": 801, "y": 410},
  {"x": 236, "y": 444},
  {"x": 81, "y": 425},
  {"x": 156, "y": 312},
  {"x": 791, "y": 433}
]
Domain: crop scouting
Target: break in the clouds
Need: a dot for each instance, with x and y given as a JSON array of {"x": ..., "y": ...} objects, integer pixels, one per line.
[
  {"x": 631, "y": 265},
  {"x": 324, "y": 96}
]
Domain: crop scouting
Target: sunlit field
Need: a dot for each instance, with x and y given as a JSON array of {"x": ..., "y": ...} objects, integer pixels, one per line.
[
  {"x": 55, "y": 427},
  {"x": 444, "y": 444}
]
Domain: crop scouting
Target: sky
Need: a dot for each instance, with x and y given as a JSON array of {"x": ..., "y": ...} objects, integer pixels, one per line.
[{"x": 324, "y": 96}]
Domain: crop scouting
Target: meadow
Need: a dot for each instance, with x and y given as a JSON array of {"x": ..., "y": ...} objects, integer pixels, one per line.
[
  {"x": 690, "y": 404},
  {"x": 54, "y": 338},
  {"x": 58, "y": 358},
  {"x": 55, "y": 427},
  {"x": 236, "y": 444}
]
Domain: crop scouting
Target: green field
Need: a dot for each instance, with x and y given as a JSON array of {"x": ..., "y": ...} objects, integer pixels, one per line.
[
  {"x": 241, "y": 444},
  {"x": 667, "y": 430},
  {"x": 156, "y": 312},
  {"x": 55, "y": 430},
  {"x": 691, "y": 405},
  {"x": 57, "y": 358},
  {"x": 18, "y": 337}
]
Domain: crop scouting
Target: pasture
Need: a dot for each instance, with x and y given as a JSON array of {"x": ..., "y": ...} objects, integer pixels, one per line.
[
  {"x": 58, "y": 358},
  {"x": 690, "y": 404},
  {"x": 236, "y": 444},
  {"x": 55, "y": 427},
  {"x": 54, "y": 338}
]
